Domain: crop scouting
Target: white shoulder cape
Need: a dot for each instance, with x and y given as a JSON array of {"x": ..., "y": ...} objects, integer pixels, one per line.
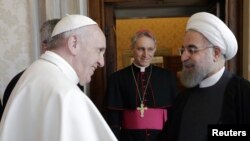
[{"x": 47, "y": 105}]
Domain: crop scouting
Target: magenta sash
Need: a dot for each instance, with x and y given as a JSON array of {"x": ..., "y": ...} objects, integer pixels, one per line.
[{"x": 153, "y": 119}]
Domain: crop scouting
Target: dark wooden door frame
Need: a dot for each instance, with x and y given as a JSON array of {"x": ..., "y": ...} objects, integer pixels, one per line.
[{"x": 103, "y": 11}]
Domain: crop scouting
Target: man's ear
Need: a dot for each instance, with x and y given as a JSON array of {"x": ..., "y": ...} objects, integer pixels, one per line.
[
  {"x": 217, "y": 53},
  {"x": 44, "y": 47},
  {"x": 72, "y": 44}
]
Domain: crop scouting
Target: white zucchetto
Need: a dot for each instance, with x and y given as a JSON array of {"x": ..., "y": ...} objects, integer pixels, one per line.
[{"x": 70, "y": 22}]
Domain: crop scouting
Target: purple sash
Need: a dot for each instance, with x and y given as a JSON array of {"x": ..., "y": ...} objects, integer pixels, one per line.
[{"x": 153, "y": 119}]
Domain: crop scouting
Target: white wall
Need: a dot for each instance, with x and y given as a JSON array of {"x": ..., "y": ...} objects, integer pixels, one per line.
[
  {"x": 58, "y": 8},
  {"x": 16, "y": 39},
  {"x": 19, "y": 26}
]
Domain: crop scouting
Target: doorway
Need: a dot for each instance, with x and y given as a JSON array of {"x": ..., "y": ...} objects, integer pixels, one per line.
[{"x": 108, "y": 12}]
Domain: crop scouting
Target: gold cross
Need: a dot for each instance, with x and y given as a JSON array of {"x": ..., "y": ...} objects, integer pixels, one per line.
[{"x": 142, "y": 109}]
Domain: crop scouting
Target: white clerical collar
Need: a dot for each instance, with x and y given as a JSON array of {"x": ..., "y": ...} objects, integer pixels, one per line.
[
  {"x": 142, "y": 69},
  {"x": 210, "y": 81},
  {"x": 63, "y": 65}
]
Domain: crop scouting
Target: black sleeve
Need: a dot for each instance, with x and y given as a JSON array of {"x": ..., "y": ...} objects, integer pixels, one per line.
[
  {"x": 1, "y": 111},
  {"x": 113, "y": 118},
  {"x": 8, "y": 91},
  {"x": 10, "y": 87},
  {"x": 113, "y": 108},
  {"x": 236, "y": 106}
]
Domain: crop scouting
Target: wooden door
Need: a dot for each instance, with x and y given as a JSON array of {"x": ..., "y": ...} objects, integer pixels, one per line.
[{"x": 104, "y": 12}]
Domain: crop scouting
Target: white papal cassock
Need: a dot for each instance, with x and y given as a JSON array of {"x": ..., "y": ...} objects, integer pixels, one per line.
[{"x": 50, "y": 107}]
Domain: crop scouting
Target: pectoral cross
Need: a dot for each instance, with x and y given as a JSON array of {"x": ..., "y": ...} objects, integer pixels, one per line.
[{"x": 142, "y": 109}]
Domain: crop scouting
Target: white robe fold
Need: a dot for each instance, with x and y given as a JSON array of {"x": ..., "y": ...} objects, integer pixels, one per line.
[{"x": 47, "y": 105}]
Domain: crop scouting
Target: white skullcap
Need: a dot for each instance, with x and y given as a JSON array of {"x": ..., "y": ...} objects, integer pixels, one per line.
[
  {"x": 70, "y": 22},
  {"x": 215, "y": 31}
]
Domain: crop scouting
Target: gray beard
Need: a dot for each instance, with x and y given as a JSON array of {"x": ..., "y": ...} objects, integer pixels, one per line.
[
  {"x": 191, "y": 79},
  {"x": 200, "y": 71}
]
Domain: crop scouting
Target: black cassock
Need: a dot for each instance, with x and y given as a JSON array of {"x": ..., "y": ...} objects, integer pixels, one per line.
[
  {"x": 122, "y": 96},
  {"x": 226, "y": 102}
]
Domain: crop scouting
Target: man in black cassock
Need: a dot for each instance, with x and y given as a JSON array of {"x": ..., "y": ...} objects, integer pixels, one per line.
[
  {"x": 214, "y": 96},
  {"x": 140, "y": 95}
]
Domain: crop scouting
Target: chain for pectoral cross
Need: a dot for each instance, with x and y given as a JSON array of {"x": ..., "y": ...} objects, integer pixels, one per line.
[{"x": 142, "y": 108}]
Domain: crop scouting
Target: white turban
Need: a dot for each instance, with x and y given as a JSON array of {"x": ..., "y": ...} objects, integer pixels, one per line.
[
  {"x": 70, "y": 22},
  {"x": 215, "y": 31}
]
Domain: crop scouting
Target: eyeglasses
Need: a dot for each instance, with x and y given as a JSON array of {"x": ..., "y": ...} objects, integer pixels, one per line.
[{"x": 192, "y": 50}]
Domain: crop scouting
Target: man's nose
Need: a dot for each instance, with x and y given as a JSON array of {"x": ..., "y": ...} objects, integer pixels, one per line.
[
  {"x": 101, "y": 61},
  {"x": 185, "y": 55}
]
